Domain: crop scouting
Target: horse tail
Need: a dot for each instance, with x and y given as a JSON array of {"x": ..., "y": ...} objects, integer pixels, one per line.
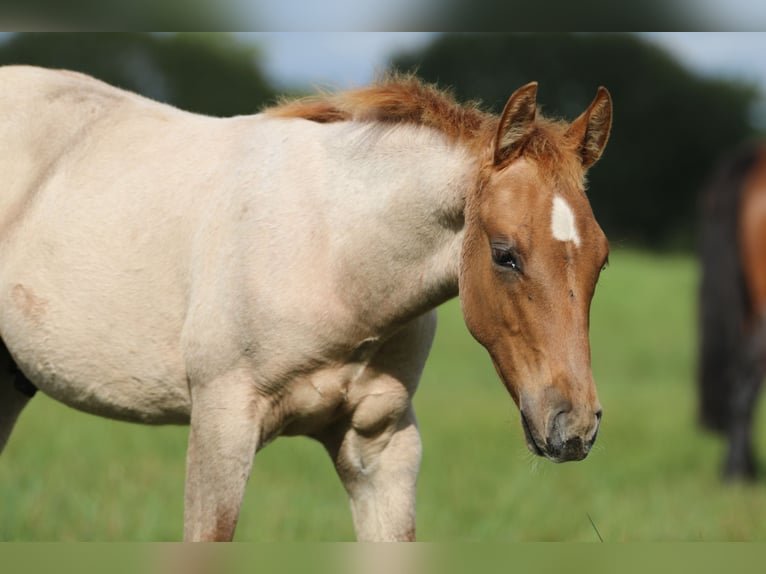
[{"x": 723, "y": 302}]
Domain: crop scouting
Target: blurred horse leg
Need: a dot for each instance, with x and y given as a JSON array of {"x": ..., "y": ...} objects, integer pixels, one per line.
[
  {"x": 740, "y": 459},
  {"x": 751, "y": 364},
  {"x": 15, "y": 392}
]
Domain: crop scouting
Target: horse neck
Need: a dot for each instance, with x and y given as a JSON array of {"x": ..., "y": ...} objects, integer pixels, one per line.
[{"x": 399, "y": 210}]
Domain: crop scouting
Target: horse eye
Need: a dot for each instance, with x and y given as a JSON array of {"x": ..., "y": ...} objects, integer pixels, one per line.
[{"x": 505, "y": 258}]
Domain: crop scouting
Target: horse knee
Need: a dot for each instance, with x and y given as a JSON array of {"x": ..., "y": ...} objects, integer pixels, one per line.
[
  {"x": 379, "y": 412},
  {"x": 392, "y": 438}
]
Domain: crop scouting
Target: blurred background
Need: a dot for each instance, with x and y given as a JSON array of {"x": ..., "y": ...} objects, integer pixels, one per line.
[
  {"x": 682, "y": 100},
  {"x": 373, "y": 15}
]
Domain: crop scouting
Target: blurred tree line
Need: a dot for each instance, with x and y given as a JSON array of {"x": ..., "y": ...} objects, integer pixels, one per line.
[
  {"x": 205, "y": 73},
  {"x": 669, "y": 125},
  {"x": 124, "y": 15},
  {"x": 562, "y": 15}
]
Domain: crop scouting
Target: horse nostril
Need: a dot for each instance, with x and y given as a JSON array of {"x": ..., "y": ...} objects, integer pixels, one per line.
[
  {"x": 595, "y": 432},
  {"x": 563, "y": 409},
  {"x": 557, "y": 425}
]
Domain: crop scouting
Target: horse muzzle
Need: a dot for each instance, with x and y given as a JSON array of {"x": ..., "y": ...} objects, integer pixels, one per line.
[{"x": 567, "y": 436}]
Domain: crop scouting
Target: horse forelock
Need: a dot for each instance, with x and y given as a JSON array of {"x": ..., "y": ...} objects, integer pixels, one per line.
[{"x": 555, "y": 155}]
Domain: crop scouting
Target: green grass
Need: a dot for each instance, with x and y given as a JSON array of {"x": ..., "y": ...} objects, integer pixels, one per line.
[{"x": 653, "y": 474}]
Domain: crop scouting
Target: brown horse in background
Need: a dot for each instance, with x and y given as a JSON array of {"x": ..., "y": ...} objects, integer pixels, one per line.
[{"x": 732, "y": 359}]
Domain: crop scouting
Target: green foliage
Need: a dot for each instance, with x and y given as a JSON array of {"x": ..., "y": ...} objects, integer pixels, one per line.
[
  {"x": 653, "y": 475},
  {"x": 205, "y": 73},
  {"x": 559, "y": 15},
  {"x": 669, "y": 125},
  {"x": 119, "y": 15}
]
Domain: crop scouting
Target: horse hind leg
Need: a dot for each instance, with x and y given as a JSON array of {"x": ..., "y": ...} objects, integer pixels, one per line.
[{"x": 15, "y": 392}]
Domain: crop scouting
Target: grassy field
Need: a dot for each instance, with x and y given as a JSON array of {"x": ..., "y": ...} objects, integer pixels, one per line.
[{"x": 652, "y": 476}]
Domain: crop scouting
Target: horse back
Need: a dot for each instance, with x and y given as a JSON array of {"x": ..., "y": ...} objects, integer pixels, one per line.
[{"x": 46, "y": 116}]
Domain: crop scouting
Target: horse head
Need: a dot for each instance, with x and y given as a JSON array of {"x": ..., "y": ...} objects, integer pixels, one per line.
[{"x": 532, "y": 254}]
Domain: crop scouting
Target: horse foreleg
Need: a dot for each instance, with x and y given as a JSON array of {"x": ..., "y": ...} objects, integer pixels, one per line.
[
  {"x": 223, "y": 439},
  {"x": 740, "y": 458},
  {"x": 377, "y": 450},
  {"x": 379, "y": 473}
]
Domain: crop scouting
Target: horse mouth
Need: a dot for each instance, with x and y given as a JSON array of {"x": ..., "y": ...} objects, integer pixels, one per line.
[
  {"x": 531, "y": 443},
  {"x": 572, "y": 449}
]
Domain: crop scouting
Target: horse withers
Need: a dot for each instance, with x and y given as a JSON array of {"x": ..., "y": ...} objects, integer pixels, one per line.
[{"x": 278, "y": 274}]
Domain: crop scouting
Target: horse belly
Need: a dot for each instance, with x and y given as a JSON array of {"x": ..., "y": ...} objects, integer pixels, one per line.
[
  {"x": 92, "y": 360},
  {"x": 92, "y": 311},
  {"x": 98, "y": 384}
]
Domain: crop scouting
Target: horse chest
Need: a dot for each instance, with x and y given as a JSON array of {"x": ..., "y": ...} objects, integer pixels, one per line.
[{"x": 354, "y": 392}]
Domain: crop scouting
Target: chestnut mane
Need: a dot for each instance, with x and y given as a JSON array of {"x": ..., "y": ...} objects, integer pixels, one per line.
[
  {"x": 405, "y": 99},
  {"x": 395, "y": 99}
]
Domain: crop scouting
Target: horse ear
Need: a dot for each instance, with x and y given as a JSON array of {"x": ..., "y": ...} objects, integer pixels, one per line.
[
  {"x": 516, "y": 122},
  {"x": 591, "y": 129}
]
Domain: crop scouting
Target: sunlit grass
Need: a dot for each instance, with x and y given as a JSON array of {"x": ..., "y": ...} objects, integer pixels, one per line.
[{"x": 653, "y": 474}]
